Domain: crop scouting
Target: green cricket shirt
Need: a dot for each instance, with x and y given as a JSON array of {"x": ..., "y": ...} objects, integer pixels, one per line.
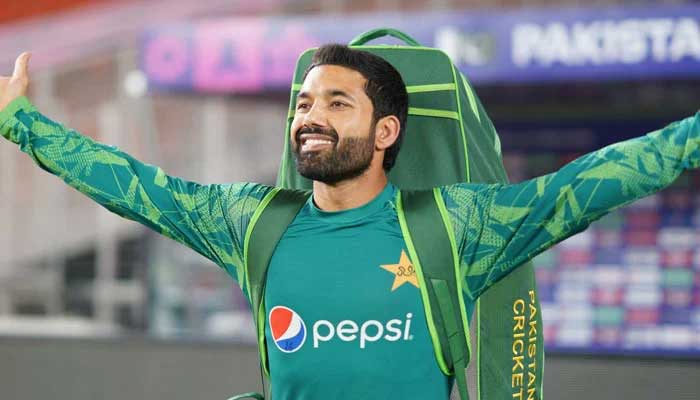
[{"x": 344, "y": 309}]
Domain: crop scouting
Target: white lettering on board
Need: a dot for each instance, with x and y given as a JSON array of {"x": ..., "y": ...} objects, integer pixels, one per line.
[{"x": 606, "y": 42}]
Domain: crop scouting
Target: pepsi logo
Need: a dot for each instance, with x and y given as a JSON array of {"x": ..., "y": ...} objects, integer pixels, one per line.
[{"x": 287, "y": 328}]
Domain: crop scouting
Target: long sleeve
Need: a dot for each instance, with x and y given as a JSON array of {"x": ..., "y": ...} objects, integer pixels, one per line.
[
  {"x": 211, "y": 219},
  {"x": 499, "y": 227}
]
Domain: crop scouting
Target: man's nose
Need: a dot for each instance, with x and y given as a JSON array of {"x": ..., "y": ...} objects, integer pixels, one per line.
[{"x": 315, "y": 116}]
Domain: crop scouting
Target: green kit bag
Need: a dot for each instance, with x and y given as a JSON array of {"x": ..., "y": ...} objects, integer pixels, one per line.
[{"x": 449, "y": 139}]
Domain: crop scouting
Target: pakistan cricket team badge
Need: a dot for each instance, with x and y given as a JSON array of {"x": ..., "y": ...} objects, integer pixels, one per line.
[{"x": 404, "y": 272}]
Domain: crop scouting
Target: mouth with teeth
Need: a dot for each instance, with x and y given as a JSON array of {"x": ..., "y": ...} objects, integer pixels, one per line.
[{"x": 314, "y": 142}]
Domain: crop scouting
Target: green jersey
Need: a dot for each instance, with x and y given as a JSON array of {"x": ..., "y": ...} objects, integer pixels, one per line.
[{"x": 344, "y": 317}]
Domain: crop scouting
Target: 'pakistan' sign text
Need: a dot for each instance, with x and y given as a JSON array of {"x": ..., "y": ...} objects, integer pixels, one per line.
[{"x": 605, "y": 42}]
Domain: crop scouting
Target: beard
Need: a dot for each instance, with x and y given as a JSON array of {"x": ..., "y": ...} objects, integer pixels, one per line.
[{"x": 346, "y": 159}]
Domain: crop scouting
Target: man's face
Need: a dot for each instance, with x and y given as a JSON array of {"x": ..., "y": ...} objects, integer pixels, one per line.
[{"x": 332, "y": 133}]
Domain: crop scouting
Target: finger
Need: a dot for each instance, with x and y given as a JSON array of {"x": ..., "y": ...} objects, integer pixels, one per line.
[{"x": 22, "y": 66}]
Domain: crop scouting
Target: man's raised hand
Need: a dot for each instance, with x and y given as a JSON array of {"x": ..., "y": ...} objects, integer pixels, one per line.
[{"x": 12, "y": 87}]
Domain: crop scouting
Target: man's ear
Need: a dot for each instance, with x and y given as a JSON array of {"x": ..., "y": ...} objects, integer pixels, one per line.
[{"x": 386, "y": 132}]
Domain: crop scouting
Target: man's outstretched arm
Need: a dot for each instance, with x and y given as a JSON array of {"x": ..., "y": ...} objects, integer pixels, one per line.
[
  {"x": 503, "y": 226},
  {"x": 210, "y": 219}
]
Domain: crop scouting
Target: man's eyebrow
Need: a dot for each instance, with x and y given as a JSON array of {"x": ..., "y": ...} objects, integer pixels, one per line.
[
  {"x": 341, "y": 93},
  {"x": 329, "y": 93}
]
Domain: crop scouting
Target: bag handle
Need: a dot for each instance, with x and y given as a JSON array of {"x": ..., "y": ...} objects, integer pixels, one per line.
[{"x": 381, "y": 32}]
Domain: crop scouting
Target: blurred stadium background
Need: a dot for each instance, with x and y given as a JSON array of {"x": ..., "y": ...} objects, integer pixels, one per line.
[{"x": 95, "y": 307}]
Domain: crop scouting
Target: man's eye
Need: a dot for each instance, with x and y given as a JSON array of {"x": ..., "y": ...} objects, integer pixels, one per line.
[
  {"x": 302, "y": 106},
  {"x": 338, "y": 104}
]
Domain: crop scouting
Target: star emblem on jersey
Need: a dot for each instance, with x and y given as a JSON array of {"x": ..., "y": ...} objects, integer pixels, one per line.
[{"x": 404, "y": 272}]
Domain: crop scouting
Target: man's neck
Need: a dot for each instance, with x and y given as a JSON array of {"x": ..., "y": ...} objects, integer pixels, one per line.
[{"x": 351, "y": 193}]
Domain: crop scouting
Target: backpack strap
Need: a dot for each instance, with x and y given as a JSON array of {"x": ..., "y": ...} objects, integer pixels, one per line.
[
  {"x": 433, "y": 250},
  {"x": 267, "y": 225}
]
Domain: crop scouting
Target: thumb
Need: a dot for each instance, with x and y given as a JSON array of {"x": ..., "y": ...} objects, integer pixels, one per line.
[{"x": 22, "y": 66}]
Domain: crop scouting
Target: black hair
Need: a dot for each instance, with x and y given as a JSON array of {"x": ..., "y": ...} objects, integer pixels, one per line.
[{"x": 384, "y": 87}]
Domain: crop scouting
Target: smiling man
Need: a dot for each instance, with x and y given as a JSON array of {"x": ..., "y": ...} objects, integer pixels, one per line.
[
  {"x": 319, "y": 153},
  {"x": 344, "y": 313},
  {"x": 346, "y": 133}
]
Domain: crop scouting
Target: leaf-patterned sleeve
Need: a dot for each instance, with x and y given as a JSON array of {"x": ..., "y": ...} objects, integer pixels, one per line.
[
  {"x": 211, "y": 219},
  {"x": 499, "y": 227}
]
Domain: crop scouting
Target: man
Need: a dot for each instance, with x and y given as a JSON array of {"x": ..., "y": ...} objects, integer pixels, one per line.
[{"x": 344, "y": 314}]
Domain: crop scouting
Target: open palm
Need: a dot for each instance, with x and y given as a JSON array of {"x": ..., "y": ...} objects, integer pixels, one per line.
[{"x": 12, "y": 87}]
